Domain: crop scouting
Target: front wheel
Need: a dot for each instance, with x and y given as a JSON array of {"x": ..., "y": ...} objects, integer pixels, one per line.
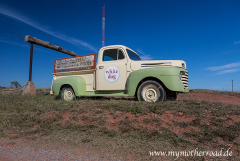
[
  {"x": 151, "y": 91},
  {"x": 172, "y": 96},
  {"x": 67, "y": 94}
]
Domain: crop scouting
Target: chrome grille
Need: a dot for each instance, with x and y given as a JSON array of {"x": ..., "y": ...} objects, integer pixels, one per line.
[{"x": 184, "y": 78}]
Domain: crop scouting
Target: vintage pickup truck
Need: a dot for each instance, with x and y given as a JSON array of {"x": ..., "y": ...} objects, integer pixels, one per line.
[{"x": 119, "y": 71}]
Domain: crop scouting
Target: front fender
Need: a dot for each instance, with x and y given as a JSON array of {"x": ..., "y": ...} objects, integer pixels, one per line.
[
  {"x": 78, "y": 84},
  {"x": 169, "y": 76}
]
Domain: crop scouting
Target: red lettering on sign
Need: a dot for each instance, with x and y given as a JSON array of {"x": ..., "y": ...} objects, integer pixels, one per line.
[{"x": 111, "y": 76}]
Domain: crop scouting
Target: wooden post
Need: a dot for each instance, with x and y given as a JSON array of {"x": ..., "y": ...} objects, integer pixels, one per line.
[
  {"x": 30, "y": 65},
  {"x": 34, "y": 40},
  {"x": 29, "y": 88}
]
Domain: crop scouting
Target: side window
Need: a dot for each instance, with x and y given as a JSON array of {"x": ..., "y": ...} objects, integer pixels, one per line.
[
  {"x": 133, "y": 56},
  {"x": 107, "y": 58},
  {"x": 120, "y": 55},
  {"x": 112, "y": 54},
  {"x": 109, "y": 55}
]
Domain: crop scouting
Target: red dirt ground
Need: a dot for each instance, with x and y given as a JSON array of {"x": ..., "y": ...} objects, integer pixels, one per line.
[
  {"x": 166, "y": 118},
  {"x": 226, "y": 99}
]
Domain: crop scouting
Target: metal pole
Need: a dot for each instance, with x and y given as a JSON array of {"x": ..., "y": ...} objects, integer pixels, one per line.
[
  {"x": 232, "y": 85},
  {"x": 30, "y": 65}
]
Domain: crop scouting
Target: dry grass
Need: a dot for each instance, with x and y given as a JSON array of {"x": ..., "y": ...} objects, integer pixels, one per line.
[{"x": 85, "y": 122}]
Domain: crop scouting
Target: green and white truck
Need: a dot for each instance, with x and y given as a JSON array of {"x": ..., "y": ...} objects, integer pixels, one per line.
[{"x": 119, "y": 71}]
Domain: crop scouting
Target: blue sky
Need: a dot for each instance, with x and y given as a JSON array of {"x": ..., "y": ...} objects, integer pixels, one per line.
[{"x": 205, "y": 34}]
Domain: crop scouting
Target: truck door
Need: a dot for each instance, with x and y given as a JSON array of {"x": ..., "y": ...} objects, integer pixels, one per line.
[{"x": 111, "y": 71}]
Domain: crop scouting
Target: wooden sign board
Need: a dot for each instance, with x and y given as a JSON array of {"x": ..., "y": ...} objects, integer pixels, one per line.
[{"x": 77, "y": 63}]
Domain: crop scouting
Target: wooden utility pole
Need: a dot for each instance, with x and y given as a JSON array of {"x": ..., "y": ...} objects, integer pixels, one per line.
[{"x": 34, "y": 40}]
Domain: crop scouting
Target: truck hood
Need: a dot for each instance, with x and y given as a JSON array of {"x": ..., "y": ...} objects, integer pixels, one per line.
[{"x": 136, "y": 65}]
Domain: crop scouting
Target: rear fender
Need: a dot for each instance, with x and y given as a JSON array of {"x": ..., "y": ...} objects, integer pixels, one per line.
[{"x": 78, "y": 84}]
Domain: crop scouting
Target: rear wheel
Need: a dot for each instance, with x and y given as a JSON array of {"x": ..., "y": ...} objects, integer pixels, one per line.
[
  {"x": 67, "y": 93},
  {"x": 151, "y": 91}
]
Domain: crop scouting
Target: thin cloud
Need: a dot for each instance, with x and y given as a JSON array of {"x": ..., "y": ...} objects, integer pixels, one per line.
[
  {"x": 25, "y": 45},
  {"x": 146, "y": 57},
  {"x": 13, "y": 43},
  {"x": 236, "y": 42},
  {"x": 232, "y": 65},
  {"x": 77, "y": 41},
  {"x": 227, "y": 71},
  {"x": 143, "y": 55},
  {"x": 7, "y": 12}
]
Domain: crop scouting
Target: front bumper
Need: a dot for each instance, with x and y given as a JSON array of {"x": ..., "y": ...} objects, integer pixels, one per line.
[{"x": 186, "y": 90}]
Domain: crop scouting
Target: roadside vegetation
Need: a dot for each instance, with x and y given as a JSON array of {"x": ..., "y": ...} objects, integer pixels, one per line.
[
  {"x": 15, "y": 84},
  {"x": 216, "y": 92},
  {"x": 124, "y": 128}
]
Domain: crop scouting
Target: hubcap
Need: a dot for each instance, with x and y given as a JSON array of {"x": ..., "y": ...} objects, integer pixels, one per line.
[
  {"x": 68, "y": 95},
  {"x": 150, "y": 94}
]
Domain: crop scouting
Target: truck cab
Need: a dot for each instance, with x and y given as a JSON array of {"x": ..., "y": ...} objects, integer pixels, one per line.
[
  {"x": 119, "y": 71},
  {"x": 113, "y": 67}
]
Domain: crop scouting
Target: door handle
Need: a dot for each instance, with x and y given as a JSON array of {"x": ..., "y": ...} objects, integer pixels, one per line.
[{"x": 101, "y": 67}]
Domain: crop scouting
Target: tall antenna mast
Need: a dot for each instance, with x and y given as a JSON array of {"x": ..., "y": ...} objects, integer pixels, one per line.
[{"x": 103, "y": 25}]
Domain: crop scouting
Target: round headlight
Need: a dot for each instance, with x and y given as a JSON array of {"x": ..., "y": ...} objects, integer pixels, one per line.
[{"x": 183, "y": 65}]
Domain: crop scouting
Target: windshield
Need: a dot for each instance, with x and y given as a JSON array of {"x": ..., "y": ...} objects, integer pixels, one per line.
[{"x": 132, "y": 55}]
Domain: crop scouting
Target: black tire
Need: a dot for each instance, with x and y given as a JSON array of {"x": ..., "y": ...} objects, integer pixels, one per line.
[
  {"x": 172, "y": 96},
  {"x": 151, "y": 91},
  {"x": 67, "y": 94}
]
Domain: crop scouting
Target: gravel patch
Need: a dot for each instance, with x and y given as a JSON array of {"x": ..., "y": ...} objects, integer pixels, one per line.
[{"x": 13, "y": 152}]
